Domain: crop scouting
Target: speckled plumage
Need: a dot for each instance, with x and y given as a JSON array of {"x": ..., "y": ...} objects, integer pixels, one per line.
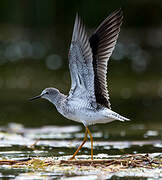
[{"x": 88, "y": 99}]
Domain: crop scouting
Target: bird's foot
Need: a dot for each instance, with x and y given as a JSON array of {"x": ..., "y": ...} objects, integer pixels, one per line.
[
  {"x": 72, "y": 158},
  {"x": 32, "y": 146}
]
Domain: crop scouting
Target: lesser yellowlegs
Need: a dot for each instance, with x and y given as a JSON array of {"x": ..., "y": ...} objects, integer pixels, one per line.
[{"x": 88, "y": 99}]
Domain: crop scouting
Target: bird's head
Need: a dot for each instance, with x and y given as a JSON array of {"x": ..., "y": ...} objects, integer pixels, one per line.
[{"x": 48, "y": 93}]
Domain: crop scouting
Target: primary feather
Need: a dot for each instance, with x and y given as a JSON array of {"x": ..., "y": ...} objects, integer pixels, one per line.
[
  {"x": 88, "y": 58},
  {"x": 103, "y": 42}
]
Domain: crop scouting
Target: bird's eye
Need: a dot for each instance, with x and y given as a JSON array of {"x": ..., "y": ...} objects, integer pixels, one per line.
[{"x": 47, "y": 92}]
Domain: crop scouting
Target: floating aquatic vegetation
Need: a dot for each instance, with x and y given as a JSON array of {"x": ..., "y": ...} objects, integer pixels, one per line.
[
  {"x": 134, "y": 165},
  {"x": 46, "y": 158}
]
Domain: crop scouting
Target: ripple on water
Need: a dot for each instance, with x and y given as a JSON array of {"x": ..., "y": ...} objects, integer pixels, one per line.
[{"x": 58, "y": 141}]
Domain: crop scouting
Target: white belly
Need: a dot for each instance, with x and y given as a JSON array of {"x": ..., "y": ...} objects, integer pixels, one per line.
[
  {"x": 89, "y": 116},
  {"x": 83, "y": 112}
]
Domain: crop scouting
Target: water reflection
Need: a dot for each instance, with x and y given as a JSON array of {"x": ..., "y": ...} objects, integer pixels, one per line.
[
  {"x": 59, "y": 142},
  {"x": 64, "y": 139}
]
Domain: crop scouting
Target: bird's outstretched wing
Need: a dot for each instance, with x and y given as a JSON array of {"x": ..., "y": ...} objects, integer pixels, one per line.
[
  {"x": 88, "y": 58},
  {"x": 80, "y": 63},
  {"x": 102, "y": 42}
]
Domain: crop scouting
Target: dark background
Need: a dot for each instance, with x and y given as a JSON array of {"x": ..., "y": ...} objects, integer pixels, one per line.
[{"x": 35, "y": 37}]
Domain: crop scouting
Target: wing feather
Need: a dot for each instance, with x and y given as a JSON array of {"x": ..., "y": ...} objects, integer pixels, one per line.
[
  {"x": 80, "y": 63},
  {"x": 103, "y": 42}
]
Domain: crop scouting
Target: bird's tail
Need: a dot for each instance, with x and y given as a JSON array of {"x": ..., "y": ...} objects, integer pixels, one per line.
[
  {"x": 119, "y": 117},
  {"x": 115, "y": 116}
]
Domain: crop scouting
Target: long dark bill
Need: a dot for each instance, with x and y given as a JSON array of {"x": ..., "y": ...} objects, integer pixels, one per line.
[{"x": 36, "y": 97}]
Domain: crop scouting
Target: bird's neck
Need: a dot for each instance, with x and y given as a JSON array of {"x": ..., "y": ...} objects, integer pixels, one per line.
[{"x": 58, "y": 99}]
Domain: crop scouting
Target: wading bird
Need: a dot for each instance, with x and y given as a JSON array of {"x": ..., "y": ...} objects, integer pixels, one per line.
[{"x": 88, "y": 99}]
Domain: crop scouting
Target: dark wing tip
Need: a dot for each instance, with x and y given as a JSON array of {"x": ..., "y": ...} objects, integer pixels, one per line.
[
  {"x": 102, "y": 42},
  {"x": 116, "y": 16},
  {"x": 117, "y": 12}
]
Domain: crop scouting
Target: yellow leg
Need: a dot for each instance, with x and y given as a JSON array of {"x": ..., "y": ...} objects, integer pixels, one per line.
[
  {"x": 84, "y": 140},
  {"x": 91, "y": 138}
]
